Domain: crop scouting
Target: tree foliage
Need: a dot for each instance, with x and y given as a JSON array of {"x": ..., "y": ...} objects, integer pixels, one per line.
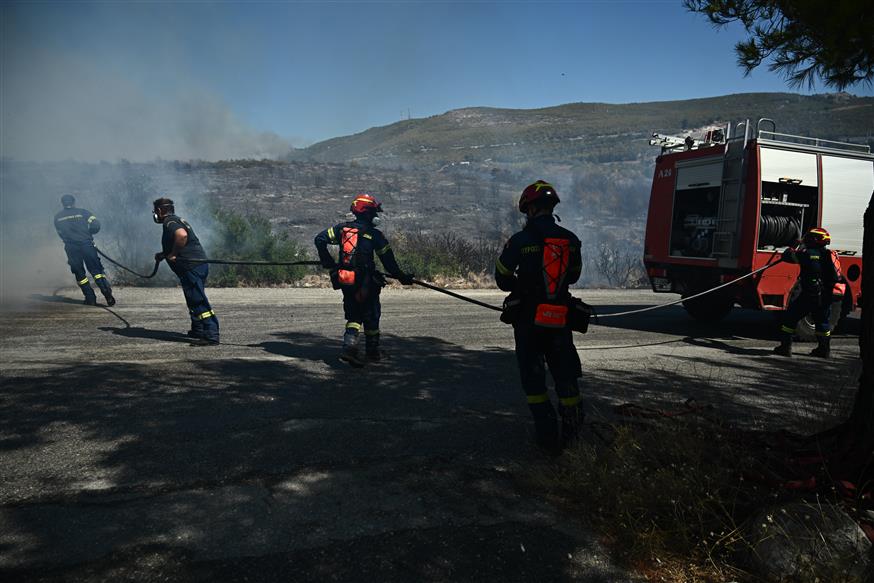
[{"x": 802, "y": 39}]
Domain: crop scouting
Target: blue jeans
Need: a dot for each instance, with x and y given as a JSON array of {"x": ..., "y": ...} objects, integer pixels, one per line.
[{"x": 204, "y": 322}]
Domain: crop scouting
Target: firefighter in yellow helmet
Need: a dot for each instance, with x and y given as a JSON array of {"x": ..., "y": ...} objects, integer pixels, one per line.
[
  {"x": 820, "y": 280},
  {"x": 355, "y": 273},
  {"x": 537, "y": 266}
]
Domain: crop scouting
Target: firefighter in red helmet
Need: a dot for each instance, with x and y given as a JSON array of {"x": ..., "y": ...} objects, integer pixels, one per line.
[
  {"x": 356, "y": 275},
  {"x": 537, "y": 266},
  {"x": 820, "y": 280}
]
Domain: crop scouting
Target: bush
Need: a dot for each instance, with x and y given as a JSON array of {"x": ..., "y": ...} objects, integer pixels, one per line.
[
  {"x": 251, "y": 238},
  {"x": 444, "y": 254}
]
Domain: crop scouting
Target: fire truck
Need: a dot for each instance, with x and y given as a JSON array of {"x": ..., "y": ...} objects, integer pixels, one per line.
[{"x": 730, "y": 203}]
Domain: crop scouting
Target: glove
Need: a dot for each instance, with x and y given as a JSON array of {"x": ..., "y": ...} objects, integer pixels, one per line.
[
  {"x": 159, "y": 257},
  {"x": 406, "y": 278}
]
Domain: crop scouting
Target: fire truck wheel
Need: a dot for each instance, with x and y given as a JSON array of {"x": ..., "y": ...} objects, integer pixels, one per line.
[{"x": 709, "y": 308}]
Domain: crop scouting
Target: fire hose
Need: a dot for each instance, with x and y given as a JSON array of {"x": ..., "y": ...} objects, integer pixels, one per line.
[{"x": 446, "y": 291}]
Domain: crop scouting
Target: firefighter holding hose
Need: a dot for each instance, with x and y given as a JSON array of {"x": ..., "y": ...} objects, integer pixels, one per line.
[
  {"x": 820, "y": 280},
  {"x": 183, "y": 252},
  {"x": 356, "y": 275},
  {"x": 76, "y": 227},
  {"x": 537, "y": 266}
]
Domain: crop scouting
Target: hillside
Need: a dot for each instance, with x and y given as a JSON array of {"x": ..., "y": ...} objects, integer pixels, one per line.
[
  {"x": 460, "y": 172},
  {"x": 585, "y": 132}
]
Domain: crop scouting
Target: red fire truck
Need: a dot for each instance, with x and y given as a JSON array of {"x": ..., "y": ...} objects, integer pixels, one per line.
[{"x": 730, "y": 203}]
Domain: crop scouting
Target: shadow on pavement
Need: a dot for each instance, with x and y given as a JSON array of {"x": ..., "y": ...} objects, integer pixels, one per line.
[
  {"x": 302, "y": 468},
  {"x": 146, "y": 333},
  {"x": 318, "y": 472}
]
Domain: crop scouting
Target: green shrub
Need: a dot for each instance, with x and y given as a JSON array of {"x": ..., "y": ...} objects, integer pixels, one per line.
[
  {"x": 444, "y": 254},
  {"x": 251, "y": 238}
]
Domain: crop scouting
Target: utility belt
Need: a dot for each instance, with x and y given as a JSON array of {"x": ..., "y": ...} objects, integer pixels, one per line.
[
  {"x": 569, "y": 312},
  {"x": 356, "y": 277}
]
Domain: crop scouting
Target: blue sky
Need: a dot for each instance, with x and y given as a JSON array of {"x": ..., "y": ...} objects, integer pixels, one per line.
[{"x": 308, "y": 71}]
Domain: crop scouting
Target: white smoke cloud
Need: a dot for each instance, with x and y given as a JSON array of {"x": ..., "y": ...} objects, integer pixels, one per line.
[{"x": 58, "y": 106}]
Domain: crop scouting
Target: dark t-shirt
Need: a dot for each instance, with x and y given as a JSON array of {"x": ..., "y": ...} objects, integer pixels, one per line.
[{"x": 192, "y": 250}]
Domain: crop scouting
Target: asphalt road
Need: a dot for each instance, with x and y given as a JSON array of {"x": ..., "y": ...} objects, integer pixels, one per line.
[{"x": 126, "y": 454}]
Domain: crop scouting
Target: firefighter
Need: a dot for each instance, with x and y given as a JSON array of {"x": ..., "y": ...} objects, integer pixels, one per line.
[
  {"x": 537, "y": 266},
  {"x": 820, "y": 280},
  {"x": 181, "y": 248},
  {"x": 355, "y": 273},
  {"x": 77, "y": 228}
]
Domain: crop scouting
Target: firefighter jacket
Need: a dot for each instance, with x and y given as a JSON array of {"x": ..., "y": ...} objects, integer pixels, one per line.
[
  {"x": 520, "y": 268},
  {"x": 76, "y": 225},
  {"x": 359, "y": 241},
  {"x": 192, "y": 250},
  {"x": 820, "y": 273}
]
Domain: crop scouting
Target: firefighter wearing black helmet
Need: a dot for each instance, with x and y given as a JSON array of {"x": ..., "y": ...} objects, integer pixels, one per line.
[
  {"x": 537, "y": 266},
  {"x": 182, "y": 250},
  {"x": 355, "y": 273},
  {"x": 821, "y": 282},
  {"x": 76, "y": 227}
]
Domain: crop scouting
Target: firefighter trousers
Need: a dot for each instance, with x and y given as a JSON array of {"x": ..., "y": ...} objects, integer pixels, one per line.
[
  {"x": 362, "y": 310},
  {"x": 82, "y": 256},
  {"x": 536, "y": 349},
  {"x": 817, "y": 306},
  {"x": 204, "y": 323}
]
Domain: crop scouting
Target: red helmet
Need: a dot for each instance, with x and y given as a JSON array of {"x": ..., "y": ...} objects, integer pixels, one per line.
[
  {"x": 817, "y": 236},
  {"x": 539, "y": 191},
  {"x": 364, "y": 203}
]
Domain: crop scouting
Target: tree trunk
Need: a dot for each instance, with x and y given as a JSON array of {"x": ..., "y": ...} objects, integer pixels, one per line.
[{"x": 861, "y": 423}]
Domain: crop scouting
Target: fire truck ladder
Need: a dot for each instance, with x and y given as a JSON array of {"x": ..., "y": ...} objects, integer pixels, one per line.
[{"x": 725, "y": 239}]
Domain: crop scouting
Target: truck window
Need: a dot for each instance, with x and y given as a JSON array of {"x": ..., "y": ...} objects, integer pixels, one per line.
[
  {"x": 847, "y": 185},
  {"x": 696, "y": 206}
]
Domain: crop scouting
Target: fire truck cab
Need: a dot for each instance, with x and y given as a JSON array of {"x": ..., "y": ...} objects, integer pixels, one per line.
[{"x": 729, "y": 204}]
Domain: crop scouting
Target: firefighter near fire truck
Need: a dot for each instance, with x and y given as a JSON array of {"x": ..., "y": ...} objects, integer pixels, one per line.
[
  {"x": 820, "y": 281},
  {"x": 537, "y": 265},
  {"x": 183, "y": 252},
  {"x": 76, "y": 227},
  {"x": 356, "y": 275}
]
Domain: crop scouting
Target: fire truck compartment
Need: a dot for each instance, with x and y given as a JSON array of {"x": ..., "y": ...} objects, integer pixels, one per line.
[
  {"x": 696, "y": 206},
  {"x": 789, "y": 196}
]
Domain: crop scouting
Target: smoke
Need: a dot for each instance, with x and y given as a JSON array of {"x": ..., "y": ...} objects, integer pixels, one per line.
[
  {"x": 62, "y": 115},
  {"x": 61, "y": 107},
  {"x": 32, "y": 256}
]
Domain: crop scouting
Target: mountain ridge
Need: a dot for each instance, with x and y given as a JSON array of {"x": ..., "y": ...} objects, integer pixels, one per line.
[{"x": 453, "y": 136}]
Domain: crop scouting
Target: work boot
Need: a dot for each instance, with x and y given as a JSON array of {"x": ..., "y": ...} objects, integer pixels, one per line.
[
  {"x": 571, "y": 423},
  {"x": 371, "y": 347},
  {"x": 90, "y": 301},
  {"x": 785, "y": 348},
  {"x": 204, "y": 342},
  {"x": 823, "y": 347},
  {"x": 546, "y": 428},
  {"x": 106, "y": 291},
  {"x": 349, "y": 353}
]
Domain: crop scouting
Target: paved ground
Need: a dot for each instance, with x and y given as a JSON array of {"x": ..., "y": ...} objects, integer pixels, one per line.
[{"x": 125, "y": 454}]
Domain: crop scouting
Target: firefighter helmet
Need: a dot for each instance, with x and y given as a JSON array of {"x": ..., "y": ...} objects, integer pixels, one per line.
[
  {"x": 365, "y": 203},
  {"x": 537, "y": 192},
  {"x": 817, "y": 236},
  {"x": 68, "y": 200}
]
